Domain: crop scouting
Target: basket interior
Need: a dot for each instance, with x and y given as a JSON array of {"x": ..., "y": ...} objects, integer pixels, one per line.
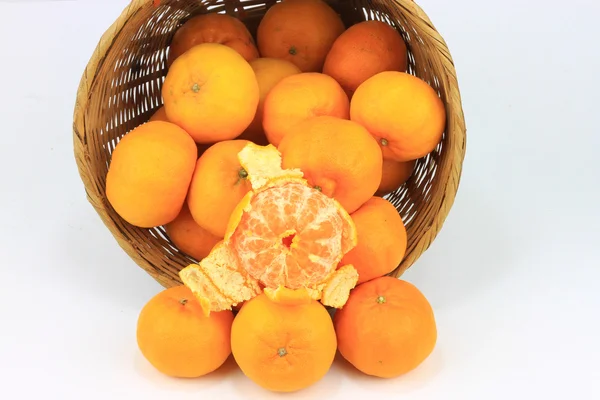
[{"x": 127, "y": 91}]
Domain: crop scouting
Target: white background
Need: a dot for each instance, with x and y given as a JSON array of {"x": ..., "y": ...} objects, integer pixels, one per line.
[{"x": 513, "y": 277}]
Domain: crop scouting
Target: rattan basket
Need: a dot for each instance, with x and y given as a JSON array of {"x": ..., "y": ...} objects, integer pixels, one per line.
[{"x": 121, "y": 87}]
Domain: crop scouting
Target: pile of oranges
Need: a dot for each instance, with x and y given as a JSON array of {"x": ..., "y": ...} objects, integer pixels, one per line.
[{"x": 338, "y": 105}]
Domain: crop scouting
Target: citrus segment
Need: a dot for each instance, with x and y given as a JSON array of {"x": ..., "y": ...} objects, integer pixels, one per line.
[{"x": 260, "y": 240}]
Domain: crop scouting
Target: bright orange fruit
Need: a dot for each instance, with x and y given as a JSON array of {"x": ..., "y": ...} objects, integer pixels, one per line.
[
  {"x": 299, "y": 97},
  {"x": 402, "y": 112},
  {"x": 363, "y": 50},
  {"x": 300, "y": 31},
  {"x": 394, "y": 174},
  {"x": 283, "y": 348},
  {"x": 176, "y": 337},
  {"x": 211, "y": 92},
  {"x": 387, "y": 328},
  {"x": 381, "y": 240},
  {"x": 190, "y": 237},
  {"x": 213, "y": 28},
  {"x": 150, "y": 173},
  {"x": 269, "y": 71}
]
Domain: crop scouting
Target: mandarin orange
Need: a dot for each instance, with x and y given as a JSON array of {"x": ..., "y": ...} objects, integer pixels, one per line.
[
  {"x": 283, "y": 348},
  {"x": 400, "y": 332},
  {"x": 175, "y": 336},
  {"x": 402, "y": 112}
]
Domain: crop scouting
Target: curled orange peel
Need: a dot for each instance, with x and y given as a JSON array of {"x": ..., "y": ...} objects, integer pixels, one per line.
[{"x": 229, "y": 276}]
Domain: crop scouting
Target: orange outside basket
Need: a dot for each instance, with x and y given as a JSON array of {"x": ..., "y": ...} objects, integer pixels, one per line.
[{"x": 121, "y": 88}]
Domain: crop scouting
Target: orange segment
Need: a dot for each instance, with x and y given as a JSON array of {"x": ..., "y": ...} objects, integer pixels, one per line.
[{"x": 320, "y": 234}]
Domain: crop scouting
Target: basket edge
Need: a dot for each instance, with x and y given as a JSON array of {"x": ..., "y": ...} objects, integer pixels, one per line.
[
  {"x": 79, "y": 139},
  {"x": 457, "y": 152}
]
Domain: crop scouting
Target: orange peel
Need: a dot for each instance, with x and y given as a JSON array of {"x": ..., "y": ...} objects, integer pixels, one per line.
[{"x": 283, "y": 236}]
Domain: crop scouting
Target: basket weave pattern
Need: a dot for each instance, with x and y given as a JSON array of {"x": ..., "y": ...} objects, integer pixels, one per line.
[{"x": 121, "y": 88}]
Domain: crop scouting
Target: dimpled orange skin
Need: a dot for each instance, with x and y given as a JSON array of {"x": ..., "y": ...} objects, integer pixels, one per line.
[
  {"x": 402, "y": 112},
  {"x": 299, "y": 97},
  {"x": 150, "y": 173},
  {"x": 387, "y": 328},
  {"x": 381, "y": 240},
  {"x": 269, "y": 71},
  {"x": 300, "y": 31},
  {"x": 213, "y": 28},
  {"x": 190, "y": 237},
  {"x": 394, "y": 174},
  {"x": 211, "y": 92},
  {"x": 283, "y": 348},
  {"x": 338, "y": 156},
  {"x": 217, "y": 186},
  {"x": 363, "y": 50},
  {"x": 176, "y": 337}
]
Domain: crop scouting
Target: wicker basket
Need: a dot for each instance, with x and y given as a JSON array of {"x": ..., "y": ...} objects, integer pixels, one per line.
[{"x": 120, "y": 89}]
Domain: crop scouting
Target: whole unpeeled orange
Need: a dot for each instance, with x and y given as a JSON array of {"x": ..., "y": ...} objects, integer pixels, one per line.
[
  {"x": 404, "y": 114},
  {"x": 268, "y": 71},
  {"x": 176, "y": 337},
  {"x": 363, "y": 50},
  {"x": 381, "y": 239},
  {"x": 190, "y": 237},
  {"x": 211, "y": 92},
  {"x": 394, "y": 174},
  {"x": 387, "y": 328},
  {"x": 299, "y": 97},
  {"x": 150, "y": 173},
  {"x": 213, "y": 28},
  {"x": 300, "y": 31},
  {"x": 283, "y": 348}
]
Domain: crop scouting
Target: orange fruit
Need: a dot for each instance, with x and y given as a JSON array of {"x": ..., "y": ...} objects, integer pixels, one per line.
[
  {"x": 176, "y": 337},
  {"x": 381, "y": 240},
  {"x": 283, "y": 348},
  {"x": 394, "y": 175},
  {"x": 299, "y": 97},
  {"x": 268, "y": 71},
  {"x": 401, "y": 330},
  {"x": 363, "y": 50},
  {"x": 402, "y": 112},
  {"x": 292, "y": 235},
  {"x": 213, "y": 28},
  {"x": 190, "y": 237},
  {"x": 211, "y": 92},
  {"x": 159, "y": 115},
  {"x": 217, "y": 186},
  {"x": 300, "y": 31},
  {"x": 150, "y": 173},
  {"x": 339, "y": 157}
]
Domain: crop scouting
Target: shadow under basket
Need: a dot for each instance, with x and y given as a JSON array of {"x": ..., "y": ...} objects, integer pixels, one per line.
[{"x": 121, "y": 88}]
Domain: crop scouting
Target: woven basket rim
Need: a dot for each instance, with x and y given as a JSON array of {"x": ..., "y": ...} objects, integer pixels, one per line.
[{"x": 448, "y": 192}]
